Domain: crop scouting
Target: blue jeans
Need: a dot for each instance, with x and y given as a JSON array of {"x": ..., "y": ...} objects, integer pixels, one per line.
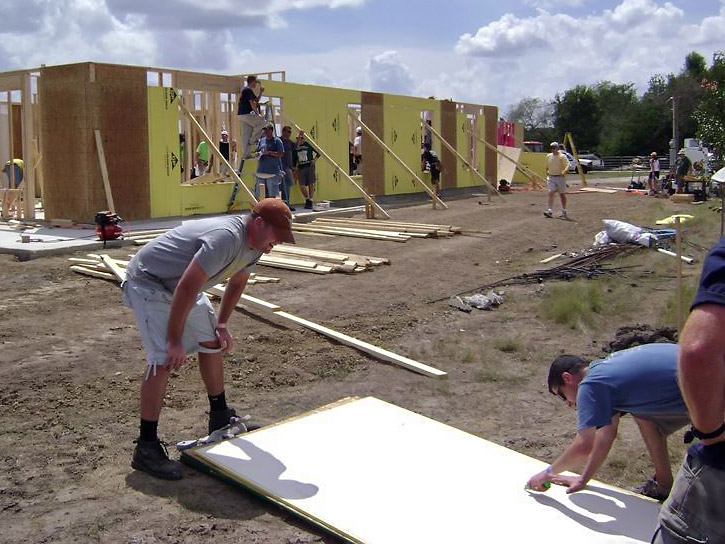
[
  {"x": 287, "y": 182},
  {"x": 271, "y": 186}
]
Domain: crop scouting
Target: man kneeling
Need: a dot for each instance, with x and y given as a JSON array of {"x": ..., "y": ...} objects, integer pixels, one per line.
[{"x": 641, "y": 381}]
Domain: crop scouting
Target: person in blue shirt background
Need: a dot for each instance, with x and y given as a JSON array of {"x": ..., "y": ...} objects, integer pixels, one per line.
[
  {"x": 640, "y": 381},
  {"x": 269, "y": 168}
]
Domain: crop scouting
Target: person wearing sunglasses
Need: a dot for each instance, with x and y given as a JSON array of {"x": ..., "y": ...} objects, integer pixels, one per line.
[{"x": 641, "y": 381}]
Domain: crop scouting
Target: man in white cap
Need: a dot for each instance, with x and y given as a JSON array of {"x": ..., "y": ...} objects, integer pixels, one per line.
[
  {"x": 557, "y": 166},
  {"x": 165, "y": 284}
]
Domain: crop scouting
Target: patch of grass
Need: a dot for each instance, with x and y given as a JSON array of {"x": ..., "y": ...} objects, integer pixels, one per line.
[
  {"x": 689, "y": 290},
  {"x": 468, "y": 355},
  {"x": 511, "y": 344},
  {"x": 575, "y": 304}
]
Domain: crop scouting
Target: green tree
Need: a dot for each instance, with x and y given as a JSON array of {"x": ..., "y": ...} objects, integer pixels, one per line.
[
  {"x": 695, "y": 65},
  {"x": 619, "y": 106},
  {"x": 577, "y": 111},
  {"x": 710, "y": 112},
  {"x": 536, "y": 116}
]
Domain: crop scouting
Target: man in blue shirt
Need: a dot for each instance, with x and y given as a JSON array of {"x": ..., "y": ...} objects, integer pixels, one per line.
[
  {"x": 269, "y": 169},
  {"x": 695, "y": 510},
  {"x": 641, "y": 381}
]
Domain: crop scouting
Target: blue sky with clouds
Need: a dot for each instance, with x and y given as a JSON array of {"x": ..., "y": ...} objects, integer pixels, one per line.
[{"x": 492, "y": 52}]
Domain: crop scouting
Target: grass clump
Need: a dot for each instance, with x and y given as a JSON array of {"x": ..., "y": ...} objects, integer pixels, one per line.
[
  {"x": 512, "y": 344},
  {"x": 575, "y": 304}
]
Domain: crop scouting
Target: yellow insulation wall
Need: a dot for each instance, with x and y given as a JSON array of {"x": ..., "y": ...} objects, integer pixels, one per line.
[{"x": 322, "y": 113}]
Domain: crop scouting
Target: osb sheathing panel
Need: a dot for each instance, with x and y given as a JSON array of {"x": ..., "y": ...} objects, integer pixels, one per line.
[
  {"x": 373, "y": 161},
  {"x": 448, "y": 131},
  {"x": 73, "y": 106},
  {"x": 491, "y": 136}
]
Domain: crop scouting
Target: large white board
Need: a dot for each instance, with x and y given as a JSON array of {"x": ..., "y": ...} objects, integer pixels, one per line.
[{"x": 377, "y": 473}]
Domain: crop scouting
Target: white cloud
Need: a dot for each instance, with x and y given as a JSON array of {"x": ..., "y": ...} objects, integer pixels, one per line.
[
  {"x": 514, "y": 57},
  {"x": 389, "y": 74}
]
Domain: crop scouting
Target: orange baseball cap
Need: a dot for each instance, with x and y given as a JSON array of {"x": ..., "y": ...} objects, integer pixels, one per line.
[{"x": 276, "y": 213}]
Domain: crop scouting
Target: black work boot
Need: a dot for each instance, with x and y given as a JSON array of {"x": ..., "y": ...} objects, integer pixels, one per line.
[
  {"x": 220, "y": 418},
  {"x": 152, "y": 457},
  {"x": 308, "y": 204}
]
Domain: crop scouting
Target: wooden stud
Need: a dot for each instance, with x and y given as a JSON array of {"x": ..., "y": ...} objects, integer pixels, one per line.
[{"x": 104, "y": 171}]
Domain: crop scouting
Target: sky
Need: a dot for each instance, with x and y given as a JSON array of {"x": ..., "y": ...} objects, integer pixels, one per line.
[{"x": 483, "y": 51}]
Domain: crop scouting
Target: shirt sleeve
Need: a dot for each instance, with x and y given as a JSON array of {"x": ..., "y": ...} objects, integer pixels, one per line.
[
  {"x": 712, "y": 280},
  {"x": 217, "y": 249},
  {"x": 594, "y": 406}
]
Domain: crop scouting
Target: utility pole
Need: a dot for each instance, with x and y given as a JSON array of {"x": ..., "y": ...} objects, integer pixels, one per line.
[{"x": 675, "y": 137}]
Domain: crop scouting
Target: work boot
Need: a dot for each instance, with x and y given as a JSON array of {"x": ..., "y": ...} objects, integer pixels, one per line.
[
  {"x": 220, "y": 418},
  {"x": 151, "y": 456},
  {"x": 652, "y": 489},
  {"x": 548, "y": 213},
  {"x": 308, "y": 204},
  {"x": 563, "y": 214}
]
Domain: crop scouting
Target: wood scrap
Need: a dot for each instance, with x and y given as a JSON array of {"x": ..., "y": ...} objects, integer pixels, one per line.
[{"x": 549, "y": 259}]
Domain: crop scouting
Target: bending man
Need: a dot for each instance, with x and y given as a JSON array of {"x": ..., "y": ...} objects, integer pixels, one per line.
[{"x": 641, "y": 381}]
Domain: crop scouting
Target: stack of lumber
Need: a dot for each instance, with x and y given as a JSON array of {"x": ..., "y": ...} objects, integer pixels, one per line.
[
  {"x": 105, "y": 267},
  {"x": 376, "y": 229},
  {"x": 92, "y": 265},
  {"x": 319, "y": 261},
  {"x": 141, "y": 237}
]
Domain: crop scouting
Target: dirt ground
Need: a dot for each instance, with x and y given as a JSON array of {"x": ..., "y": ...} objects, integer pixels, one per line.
[{"x": 71, "y": 363}]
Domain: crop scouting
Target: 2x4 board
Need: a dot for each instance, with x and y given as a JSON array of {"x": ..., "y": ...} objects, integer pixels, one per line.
[{"x": 369, "y": 471}]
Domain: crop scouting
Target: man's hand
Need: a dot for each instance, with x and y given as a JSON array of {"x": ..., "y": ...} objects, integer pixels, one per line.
[
  {"x": 225, "y": 339},
  {"x": 537, "y": 481},
  {"x": 175, "y": 355},
  {"x": 574, "y": 483}
]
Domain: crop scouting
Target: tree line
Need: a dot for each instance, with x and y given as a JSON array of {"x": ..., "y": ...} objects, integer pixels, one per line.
[{"x": 611, "y": 119}]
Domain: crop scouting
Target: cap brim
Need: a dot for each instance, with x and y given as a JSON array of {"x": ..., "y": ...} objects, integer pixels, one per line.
[{"x": 285, "y": 235}]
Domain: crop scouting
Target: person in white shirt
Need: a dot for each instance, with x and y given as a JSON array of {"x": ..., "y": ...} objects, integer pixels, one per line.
[
  {"x": 654, "y": 174},
  {"x": 557, "y": 165}
]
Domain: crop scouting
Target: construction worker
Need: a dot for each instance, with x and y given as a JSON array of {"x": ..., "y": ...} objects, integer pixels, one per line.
[
  {"x": 557, "y": 166},
  {"x": 694, "y": 511},
  {"x": 641, "y": 381},
  {"x": 250, "y": 115},
  {"x": 165, "y": 286},
  {"x": 14, "y": 171},
  {"x": 357, "y": 148}
]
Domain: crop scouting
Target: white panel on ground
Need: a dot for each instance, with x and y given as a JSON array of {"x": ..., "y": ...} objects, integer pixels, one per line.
[
  {"x": 507, "y": 168},
  {"x": 377, "y": 473}
]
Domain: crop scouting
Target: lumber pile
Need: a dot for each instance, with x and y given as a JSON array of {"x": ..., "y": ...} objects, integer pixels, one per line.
[
  {"x": 376, "y": 229},
  {"x": 93, "y": 265},
  {"x": 294, "y": 257},
  {"x": 105, "y": 267}
]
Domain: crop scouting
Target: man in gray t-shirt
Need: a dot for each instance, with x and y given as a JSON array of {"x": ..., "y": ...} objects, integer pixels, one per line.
[{"x": 165, "y": 284}]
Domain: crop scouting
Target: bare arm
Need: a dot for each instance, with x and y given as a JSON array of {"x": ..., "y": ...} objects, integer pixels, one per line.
[
  {"x": 185, "y": 294},
  {"x": 572, "y": 456},
  {"x": 701, "y": 368},
  {"x": 603, "y": 440},
  {"x": 233, "y": 292}
]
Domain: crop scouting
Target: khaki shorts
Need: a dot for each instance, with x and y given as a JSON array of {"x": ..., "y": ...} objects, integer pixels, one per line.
[
  {"x": 666, "y": 423},
  {"x": 152, "y": 306},
  {"x": 556, "y": 184}
]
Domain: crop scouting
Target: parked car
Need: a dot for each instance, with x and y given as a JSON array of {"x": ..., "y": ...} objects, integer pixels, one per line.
[
  {"x": 586, "y": 163},
  {"x": 597, "y": 162}
]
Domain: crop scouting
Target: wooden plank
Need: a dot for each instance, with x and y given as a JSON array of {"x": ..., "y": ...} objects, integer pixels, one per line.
[
  {"x": 596, "y": 190},
  {"x": 378, "y": 353},
  {"x": 549, "y": 259},
  {"x": 337, "y": 167},
  {"x": 349, "y": 232},
  {"x": 114, "y": 267},
  {"x": 104, "y": 171},
  {"x": 28, "y": 151},
  {"x": 92, "y": 272},
  {"x": 257, "y": 303}
]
